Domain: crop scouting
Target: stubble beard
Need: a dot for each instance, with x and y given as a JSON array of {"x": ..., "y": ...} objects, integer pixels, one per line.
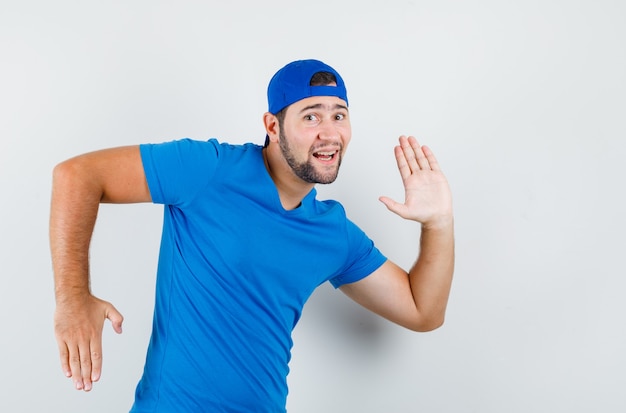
[{"x": 306, "y": 170}]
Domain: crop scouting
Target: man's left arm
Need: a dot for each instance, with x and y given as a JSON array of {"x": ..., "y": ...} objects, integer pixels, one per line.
[{"x": 418, "y": 299}]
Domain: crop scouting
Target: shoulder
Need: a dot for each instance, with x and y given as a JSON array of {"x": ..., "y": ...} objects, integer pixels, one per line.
[
  {"x": 226, "y": 149},
  {"x": 330, "y": 207},
  {"x": 212, "y": 144},
  {"x": 189, "y": 150}
]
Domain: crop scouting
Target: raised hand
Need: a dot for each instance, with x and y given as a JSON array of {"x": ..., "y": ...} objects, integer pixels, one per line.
[
  {"x": 78, "y": 329},
  {"x": 427, "y": 194}
]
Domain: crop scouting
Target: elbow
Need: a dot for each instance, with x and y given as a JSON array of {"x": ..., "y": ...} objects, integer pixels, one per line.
[
  {"x": 65, "y": 171},
  {"x": 424, "y": 325},
  {"x": 61, "y": 175},
  {"x": 74, "y": 178},
  {"x": 72, "y": 173},
  {"x": 433, "y": 325}
]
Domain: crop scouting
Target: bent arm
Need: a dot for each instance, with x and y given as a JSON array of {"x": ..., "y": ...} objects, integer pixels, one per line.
[
  {"x": 417, "y": 299},
  {"x": 79, "y": 185}
]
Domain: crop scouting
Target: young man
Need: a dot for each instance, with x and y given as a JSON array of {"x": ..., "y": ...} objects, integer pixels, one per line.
[{"x": 245, "y": 242}]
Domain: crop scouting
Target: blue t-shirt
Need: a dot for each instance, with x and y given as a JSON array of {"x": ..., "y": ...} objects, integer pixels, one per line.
[{"x": 235, "y": 269}]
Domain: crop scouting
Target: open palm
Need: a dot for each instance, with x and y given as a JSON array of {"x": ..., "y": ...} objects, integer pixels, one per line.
[{"x": 427, "y": 194}]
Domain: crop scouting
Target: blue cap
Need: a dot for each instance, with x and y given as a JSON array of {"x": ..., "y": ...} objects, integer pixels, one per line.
[{"x": 292, "y": 83}]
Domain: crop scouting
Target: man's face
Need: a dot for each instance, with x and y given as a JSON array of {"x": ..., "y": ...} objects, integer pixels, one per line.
[{"x": 314, "y": 136}]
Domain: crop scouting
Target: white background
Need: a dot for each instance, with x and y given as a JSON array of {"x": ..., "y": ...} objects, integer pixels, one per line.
[{"x": 524, "y": 103}]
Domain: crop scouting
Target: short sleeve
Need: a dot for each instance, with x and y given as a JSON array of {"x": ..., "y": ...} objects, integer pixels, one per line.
[
  {"x": 364, "y": 258},
  {"x": 176, "y": 171}
]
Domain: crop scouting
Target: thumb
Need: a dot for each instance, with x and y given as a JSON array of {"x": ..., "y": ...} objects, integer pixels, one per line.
[
  {"x": 116, "y": 319},
  {"x": 392, "y": 205}
]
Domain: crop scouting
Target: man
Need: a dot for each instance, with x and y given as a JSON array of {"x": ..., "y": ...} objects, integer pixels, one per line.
[{"x": 245, "y": 242}]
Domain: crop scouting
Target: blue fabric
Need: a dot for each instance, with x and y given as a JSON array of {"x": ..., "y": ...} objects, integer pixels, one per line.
[
  {"x": 235, "y": 270},
  {"x": 293, "y": 83}
]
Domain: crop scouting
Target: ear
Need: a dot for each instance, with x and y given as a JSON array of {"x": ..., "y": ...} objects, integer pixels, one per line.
[{"x": 271, "y": 126}]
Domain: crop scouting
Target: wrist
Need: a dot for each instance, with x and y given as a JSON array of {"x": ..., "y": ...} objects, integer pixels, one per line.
[
  {"x": 440, "y": 223},
  {"x": 71, "y": 295}
]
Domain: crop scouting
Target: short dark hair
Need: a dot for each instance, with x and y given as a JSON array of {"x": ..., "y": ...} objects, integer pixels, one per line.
[
  {"x": 318, "y": 79},
  {"x": 322, "y": 79}
]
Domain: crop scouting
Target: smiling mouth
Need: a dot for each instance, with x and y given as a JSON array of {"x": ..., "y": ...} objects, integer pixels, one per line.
[{"x": 325, "y": 156}]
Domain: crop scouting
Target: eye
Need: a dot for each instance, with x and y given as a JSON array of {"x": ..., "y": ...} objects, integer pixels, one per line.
[
  {"x": 310, "y": 116},
  {"x": 340, "y": 116}
]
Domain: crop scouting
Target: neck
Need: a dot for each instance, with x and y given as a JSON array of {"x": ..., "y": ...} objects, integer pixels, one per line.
[{"x": 291, "y": 189}]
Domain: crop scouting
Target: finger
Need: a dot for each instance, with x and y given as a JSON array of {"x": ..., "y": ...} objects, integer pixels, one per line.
[
  {"x": 116, "y": 319},
  {"x": 85, "y": 366},
  {"x": 408, "y": 152},
  {"x": 96, "y": 359},
  {"x": 420, "y": 158},
  {"x": 393, "y": 206},
  {"x": 401, "y": 161},
  {"x": 74, "y": 360},
  {"x": 64, "y": 358},
  {"x": 432, "y": 161}
]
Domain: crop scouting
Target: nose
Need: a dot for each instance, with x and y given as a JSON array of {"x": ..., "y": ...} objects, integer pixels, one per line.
[{"x": 328, "y": 131}]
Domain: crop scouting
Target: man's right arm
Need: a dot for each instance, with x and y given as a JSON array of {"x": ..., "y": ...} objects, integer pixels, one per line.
[{"x": 80, "y": 184}]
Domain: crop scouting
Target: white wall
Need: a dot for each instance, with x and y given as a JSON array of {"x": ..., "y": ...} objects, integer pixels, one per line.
[{"x": 522, "y": 101}]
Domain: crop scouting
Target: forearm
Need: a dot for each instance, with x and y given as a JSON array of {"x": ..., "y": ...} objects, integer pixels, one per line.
[
  {"x": 431, "y": 276},
  {"x": 73, "y": 211}
]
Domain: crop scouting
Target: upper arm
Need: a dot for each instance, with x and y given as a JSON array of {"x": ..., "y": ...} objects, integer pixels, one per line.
[
  {"x": 387, "y": 292},
  {"x": 117, "y": 173}
]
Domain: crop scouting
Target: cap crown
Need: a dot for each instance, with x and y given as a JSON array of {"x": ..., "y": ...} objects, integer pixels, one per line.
[{"x": 293, "y": 83}]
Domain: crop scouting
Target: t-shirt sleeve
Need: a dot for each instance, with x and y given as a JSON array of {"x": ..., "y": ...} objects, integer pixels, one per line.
[
  {"x": 363, "y": 260},
  {"x": 176, "y": 171}
]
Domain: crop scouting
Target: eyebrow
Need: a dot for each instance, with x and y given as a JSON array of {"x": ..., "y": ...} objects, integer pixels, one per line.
[{"x": 323, "y": 106}]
